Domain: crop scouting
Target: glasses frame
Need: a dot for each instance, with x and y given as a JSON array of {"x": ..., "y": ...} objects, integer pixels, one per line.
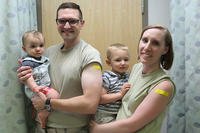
[{"x": 71, "y": 21}]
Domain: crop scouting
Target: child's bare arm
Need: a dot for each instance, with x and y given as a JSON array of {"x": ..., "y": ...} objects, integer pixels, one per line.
[
  {"x": 113, "y": 97},
  {"x": 30, "y": 82}
]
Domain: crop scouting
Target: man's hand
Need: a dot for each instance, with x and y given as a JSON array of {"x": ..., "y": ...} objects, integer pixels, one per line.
[
  {"x": 39, "y": 101},
  {"x": 23, "y": 73}
]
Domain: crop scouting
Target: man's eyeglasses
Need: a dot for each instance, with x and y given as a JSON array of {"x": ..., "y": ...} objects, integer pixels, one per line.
[{"x": 71, "y": 22}]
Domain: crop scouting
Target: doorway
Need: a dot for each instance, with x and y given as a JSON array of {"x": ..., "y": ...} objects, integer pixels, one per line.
[{"x": 106, "y": 22}]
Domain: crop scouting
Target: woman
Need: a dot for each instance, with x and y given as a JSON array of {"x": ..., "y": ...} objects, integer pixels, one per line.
[{"x": 144, "y": 105}]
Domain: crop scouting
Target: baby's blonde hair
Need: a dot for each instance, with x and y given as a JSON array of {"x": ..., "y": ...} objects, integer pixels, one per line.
[
  {"x": 32, "y": 33},
  {"x": 115, "y": 45}
]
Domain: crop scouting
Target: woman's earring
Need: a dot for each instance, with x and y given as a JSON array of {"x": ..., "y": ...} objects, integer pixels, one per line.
[{"x": 162, "y": 60}]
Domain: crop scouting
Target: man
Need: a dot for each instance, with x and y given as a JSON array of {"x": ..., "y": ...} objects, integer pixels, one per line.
[{"x": 75, "y": 70}]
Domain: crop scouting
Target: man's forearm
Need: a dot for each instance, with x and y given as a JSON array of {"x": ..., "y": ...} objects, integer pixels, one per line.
[{"x": 78, "y": 104}]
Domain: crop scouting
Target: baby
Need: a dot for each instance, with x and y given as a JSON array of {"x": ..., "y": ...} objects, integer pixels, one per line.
[
  {"x": 33, "y": 45},
  {"x": 115, "y": 83}
]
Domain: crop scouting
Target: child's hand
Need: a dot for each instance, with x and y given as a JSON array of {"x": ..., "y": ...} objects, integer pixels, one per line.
[
  {"x": 20, "y": 61},
  {"x": 125, "y": 87}
]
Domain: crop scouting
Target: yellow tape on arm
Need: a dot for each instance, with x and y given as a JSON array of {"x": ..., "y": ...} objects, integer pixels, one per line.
[
  {"x": 162, "y": 92},
  {"x": 97, "y": 67}
]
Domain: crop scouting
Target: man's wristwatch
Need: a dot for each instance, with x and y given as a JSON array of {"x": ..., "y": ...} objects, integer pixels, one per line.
[{"x": 47, "y": 105}]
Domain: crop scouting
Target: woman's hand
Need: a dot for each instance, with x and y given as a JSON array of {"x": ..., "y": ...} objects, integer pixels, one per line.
[
  {"x": 93, "y": 124},
  {"x": 39, "y": 101},
  {"x": 93, "y": 127}
]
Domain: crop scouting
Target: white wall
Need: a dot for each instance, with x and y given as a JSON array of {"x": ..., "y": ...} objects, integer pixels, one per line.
[{"x": 158, "y": 12}]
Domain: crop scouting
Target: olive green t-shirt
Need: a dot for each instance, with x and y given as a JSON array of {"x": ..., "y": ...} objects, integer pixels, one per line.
[{"x": 141, "y": 84}]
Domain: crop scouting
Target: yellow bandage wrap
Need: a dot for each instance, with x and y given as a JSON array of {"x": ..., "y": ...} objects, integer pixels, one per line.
[
  {"x": 97, "y": 67},
  {"x": 162, "y": 92}
]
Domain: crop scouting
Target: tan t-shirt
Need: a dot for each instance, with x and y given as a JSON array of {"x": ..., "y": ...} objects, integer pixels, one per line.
[{"x": 65, "y": 72}]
